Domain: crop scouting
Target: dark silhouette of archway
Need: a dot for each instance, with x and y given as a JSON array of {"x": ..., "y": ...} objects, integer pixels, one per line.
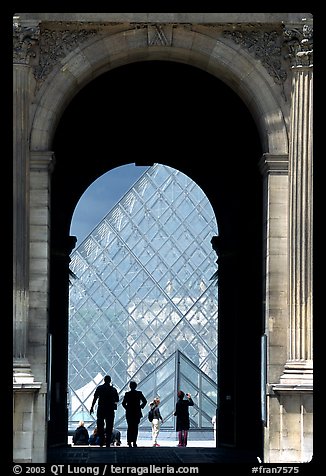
[{"x": 183, "y": 117}]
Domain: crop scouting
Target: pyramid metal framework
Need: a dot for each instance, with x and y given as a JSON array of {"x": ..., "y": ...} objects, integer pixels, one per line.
[{"x": 142, "y": 306}]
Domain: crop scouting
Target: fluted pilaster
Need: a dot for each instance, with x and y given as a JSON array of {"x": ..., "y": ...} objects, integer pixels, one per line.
[
  {"x": 301, "y": 217},
  {"x": 21, "y": 83},
  {"x": 298, "y": 369},
  {"x": 24, "y": 39}
]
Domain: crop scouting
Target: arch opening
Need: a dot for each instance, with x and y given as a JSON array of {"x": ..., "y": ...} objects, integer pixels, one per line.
[
  {"x": 143, "y": 306},
  {"x": 142, "y": 113}
]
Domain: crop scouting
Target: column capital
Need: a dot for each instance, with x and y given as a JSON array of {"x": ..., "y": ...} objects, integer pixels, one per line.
[
  {"x": 25, "y": 40},
  {"x": 271, "y": 164},
  {"x": 299, "y": 42}
]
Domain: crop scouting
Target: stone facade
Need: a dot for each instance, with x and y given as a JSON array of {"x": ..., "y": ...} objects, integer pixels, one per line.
[{"x": 267, "y": 59}]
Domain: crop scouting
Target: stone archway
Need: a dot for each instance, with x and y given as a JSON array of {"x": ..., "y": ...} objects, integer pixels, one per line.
[
  {"x": 89, "y": 52},
  {"x": 223, "y": 59},
  {"x": 190, "y": 153}
]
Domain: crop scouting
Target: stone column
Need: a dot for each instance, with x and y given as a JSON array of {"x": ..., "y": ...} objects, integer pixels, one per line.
[
  {"x": 23, "y": 48},
  {"x": 298, "y": 369},
  {"x": 24, "y": 385}
]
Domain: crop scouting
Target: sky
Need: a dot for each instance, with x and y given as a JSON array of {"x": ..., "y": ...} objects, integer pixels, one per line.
[{"x": 100, "y": 198}]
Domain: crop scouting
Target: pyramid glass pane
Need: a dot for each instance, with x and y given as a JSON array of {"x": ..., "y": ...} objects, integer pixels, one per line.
[{"x": 142, "y": 306}]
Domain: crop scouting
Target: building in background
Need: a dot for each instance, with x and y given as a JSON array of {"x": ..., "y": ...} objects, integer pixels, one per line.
[{"x": 142, "y": 305}]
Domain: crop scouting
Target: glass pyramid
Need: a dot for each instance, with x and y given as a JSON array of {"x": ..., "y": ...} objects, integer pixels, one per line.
[{"x": 143, "y": 306}]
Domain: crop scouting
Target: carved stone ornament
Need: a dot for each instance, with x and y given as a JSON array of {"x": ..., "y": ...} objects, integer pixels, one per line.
[
  {"x": 300, "y": 45},
  {"x": 157, "y": 34},
  {"x": 266, "y": 46},
  {"x": 25, "y": 39},
  {"x": 56, "y": 44}
]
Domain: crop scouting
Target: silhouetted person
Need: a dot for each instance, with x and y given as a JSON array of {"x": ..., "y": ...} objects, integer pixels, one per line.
[
  {"x": 108, "y": 398},
  {"x": 182, "y": 414},
  {"x": 80, "y": 436},
  {"x": 133, "y": 401}
]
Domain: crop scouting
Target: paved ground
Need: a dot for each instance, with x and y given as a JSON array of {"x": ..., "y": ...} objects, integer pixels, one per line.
[
  {"x": 166, "y": 440},
  {"x": 145, "y": 455}
]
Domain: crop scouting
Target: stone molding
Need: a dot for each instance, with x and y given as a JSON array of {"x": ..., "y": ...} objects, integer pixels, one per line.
[
  {"x": 25, "y": 386},
  {"x": 297, "y": 373},
  {"x": 297, "y": 377},
  {"x": 57, "y": 42},
  {"x": 23, "y": 378},
  {"x": 290, "y": 389},
  {"x": 226, "y": 18},
  {"x": 40, "y": 160},
  {"x": 274, "y": 164}
]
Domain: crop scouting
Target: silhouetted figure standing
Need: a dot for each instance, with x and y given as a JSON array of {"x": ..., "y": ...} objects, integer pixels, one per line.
[
  {"x": 133, "y": 401},
  {"x": 108, "y": 398},
  {"x": 182, "y": 414}
]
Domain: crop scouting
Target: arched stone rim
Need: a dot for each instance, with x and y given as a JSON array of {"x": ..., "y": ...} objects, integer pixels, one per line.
[{"x": 223, "y": 59}]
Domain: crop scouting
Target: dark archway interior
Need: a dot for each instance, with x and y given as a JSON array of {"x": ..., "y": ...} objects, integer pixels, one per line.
[{"x": 180, "y": 116}]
